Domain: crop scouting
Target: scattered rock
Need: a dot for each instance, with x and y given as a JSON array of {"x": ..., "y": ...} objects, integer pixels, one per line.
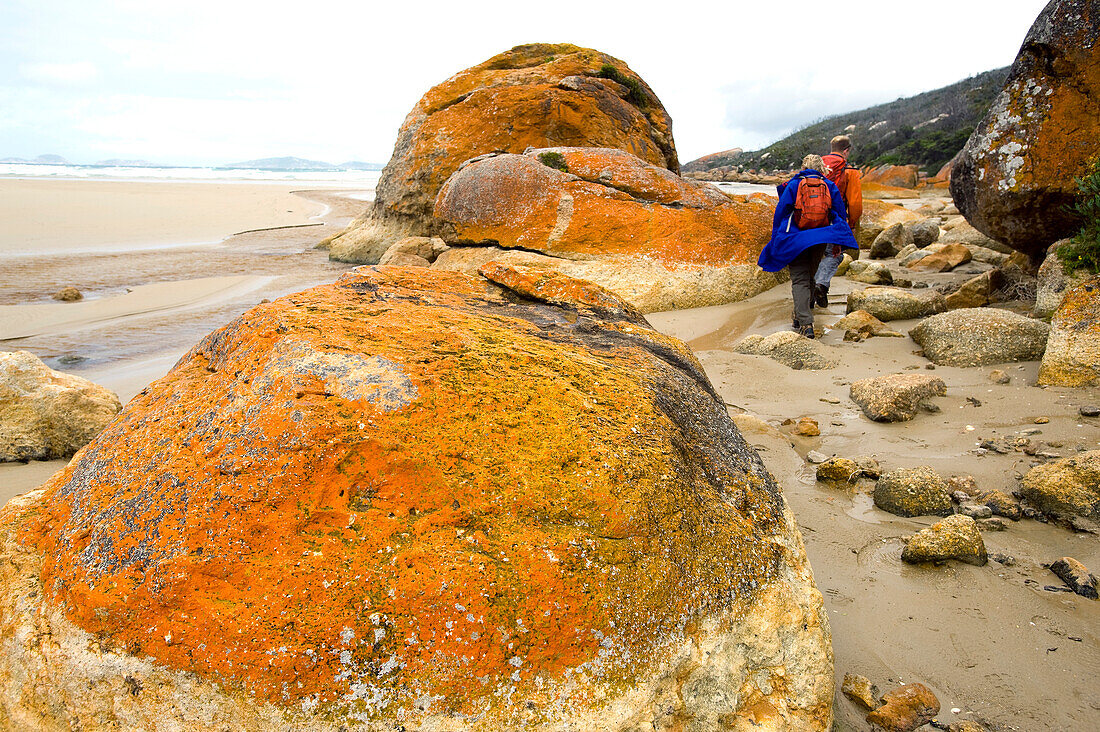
[
  {"x": 874, "y": 273},
  {"x": 966, "y": 726},
  {"x": 1014, "y": 178},
  {"x": 838, "y": 470},
  {"x": 1000, "y": 503},
  {"x": 992, "y": 524},
  {"x": 1052, "y": 283},
  {"x": 891, "y": 241},
  {"x": 1004, "y": 559},
  {"x": 924, "y": 232},
  {"x": 980, "y": 336},
  {"x": 892, "y": 303},
  {"x": 956, "y": 537},
  {"x": 896, "y": 397},
  {"x": 974, "y": 293},
  {"x": 976, "y": 511},
  {"x": 868, "y": 467},
  {"x": 987, "y": 256},
  {"x": 1076, "y": 576},
  {"x": 47, "y": 414},
  {"x": 1066, "y": 488},
  {"x": 815, "y": 457},
  {"x": 860, "y": 690},
  {"x": 303, "y": 492},
  {"x": 1089, "y": 411},
  {"x": 913, "y": 492},
  {"x": 946, "y": 259},
  {"x": 998, "y": 376},
  {"x": 863, "y": 323},
  {"x": 905, "y": 708},
  {"x": 806, "y": 427},
  {"x": 414, "y": 251},
  {"x": 1072, "y": 355},
  {"x": 789, "y": 349},
  {"x": 963, "y": 233},
  {"x": 68, "y": 294}
]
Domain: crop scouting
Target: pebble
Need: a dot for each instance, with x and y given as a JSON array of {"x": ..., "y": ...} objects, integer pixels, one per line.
[
  {"x": 1006, "y": 559},
  {"x": 976, "y": 511},
  {"x": 1089, "y": 411},
  {"x": 991, "y": 524},
  {"x": 1076, "y": 576},
  {"x": 860, "y": 690},
  {"x": 1041, "y": 420},
  {"x": 816, "y": 457},
  {"x": 960, "y": 496},
  {"x": 997, "y": 376},
  {"x": 830, "y": 400}
]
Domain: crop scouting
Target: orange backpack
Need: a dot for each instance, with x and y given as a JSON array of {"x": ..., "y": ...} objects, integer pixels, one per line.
[{"x": 812, "y": 203}]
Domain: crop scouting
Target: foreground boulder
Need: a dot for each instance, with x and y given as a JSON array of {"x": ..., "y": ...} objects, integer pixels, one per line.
[
  {"x": 417, "y": 500},
  {"x": 1066, "y": 489},
  {"x": 1014, "y": 178},
  {"x": 46, "y": 414},
  {"x": 536, "y": 95},
  {"x": 956, "y": 537},
  {"x": 1072, "y": 356},
  {"x": 895, "y": 397},
  {"x": 980, "y": 336},
  {"x": 893, "y": 303},
  {"x": 607, "y": 216}
]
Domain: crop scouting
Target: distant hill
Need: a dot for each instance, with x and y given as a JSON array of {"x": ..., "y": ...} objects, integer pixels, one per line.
[
  {"x": 926, "y": 130},
  {"x": 40, "y": 160},
  {"x": 299, "y": 164}
]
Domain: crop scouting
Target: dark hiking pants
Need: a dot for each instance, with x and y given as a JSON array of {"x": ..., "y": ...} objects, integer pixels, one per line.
[{"x": 802, "y": 269}]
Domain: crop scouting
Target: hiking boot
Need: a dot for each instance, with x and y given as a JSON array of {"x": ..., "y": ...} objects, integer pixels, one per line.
[
  {"x": 807, "y": 331},
  {"x": 821, "y": 296}
]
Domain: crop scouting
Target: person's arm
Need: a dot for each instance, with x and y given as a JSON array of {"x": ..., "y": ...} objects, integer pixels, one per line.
[
  {"x": 784, "y": 207},
  {"x": 839, "y": 210},
  {"x": 854, "y": 195}
]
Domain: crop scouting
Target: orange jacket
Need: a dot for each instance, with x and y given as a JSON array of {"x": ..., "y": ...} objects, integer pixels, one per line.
[{"x": 847, "y": 180}]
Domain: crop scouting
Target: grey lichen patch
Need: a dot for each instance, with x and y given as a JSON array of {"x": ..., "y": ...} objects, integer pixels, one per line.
[
  {"x": 1023, "y": 105},
  {"x": 350, "y": 376}
]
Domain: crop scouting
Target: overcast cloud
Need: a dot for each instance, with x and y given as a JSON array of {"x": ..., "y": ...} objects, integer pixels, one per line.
[{"x": 210, "y": 81}]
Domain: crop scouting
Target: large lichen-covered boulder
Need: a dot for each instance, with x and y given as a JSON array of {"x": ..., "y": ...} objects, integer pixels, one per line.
[
  {"x": 536, "y": 95},
  {"x": 1072, "y": 356},
  {"x": 46, "y": 414},
  {"x": 586, "y": 204},
  {"x": 416, "y": 500},
  {"x": 895, "y": 176},
  {"x": 980, "y": 336},
  {"x": 1014, "y": 177}
]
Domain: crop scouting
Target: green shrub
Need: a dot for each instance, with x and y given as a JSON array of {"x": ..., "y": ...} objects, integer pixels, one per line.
[
  {"x": 554, "y": 160},
  {"x": 636, "y": 95},
  {"x": 1083, "y": 250}
]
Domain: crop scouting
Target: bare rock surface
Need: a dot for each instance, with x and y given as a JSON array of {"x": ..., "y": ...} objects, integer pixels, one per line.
[
  {"x": 980, "y": 336},
  {"x": 47, "y": 414},
  {"x": 1072, "y": 356},
  {"x": 895, "y": 397}
]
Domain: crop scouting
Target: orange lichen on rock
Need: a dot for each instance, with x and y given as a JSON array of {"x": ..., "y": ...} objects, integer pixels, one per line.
[
  {"x": 534, "y": 95},
  {"x": 608, "y": 203},
  {"x": 416, "y": 492},
  {"x": 892, "y": 176},
  {"x": 1072, "y": 356}
]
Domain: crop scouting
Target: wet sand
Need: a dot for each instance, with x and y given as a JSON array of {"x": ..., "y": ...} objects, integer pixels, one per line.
[{"x": 989, "y": 641}]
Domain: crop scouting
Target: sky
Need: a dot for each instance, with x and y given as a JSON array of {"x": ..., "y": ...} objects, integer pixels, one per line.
[{"x": 216, "y": 81}]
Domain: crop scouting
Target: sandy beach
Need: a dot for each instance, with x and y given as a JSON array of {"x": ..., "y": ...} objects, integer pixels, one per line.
[{"x": 990, "y": 641}]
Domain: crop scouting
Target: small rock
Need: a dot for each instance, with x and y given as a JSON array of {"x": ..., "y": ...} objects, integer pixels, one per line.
[
  {"x": 868, "y": 467},
  {"x": 906, "y": 708},
  {"x": 966, "y": 726},
  {"x": 1005, "y": 559},
  {"x": 997, "y": 376},
  {"x": 816, "y": 457},
  {"x": 806, "y": 427},
  {"x": 1066, "y": 488},
  {"x": 789, "y": 349},
  {"x": 960, "y": 497},
  {"x": 1089, "y": 411},
  {"x": 68, "y": 294},
  {"x": 956, "y": 537},
  {"x": 964, "y": 483},
  {"x": 1076, "y": 576},
  {"x": 895, "y": 397},
  {"x": 860, "y": 690},
  {"x": 913, "y": 492},
  {"x": 1001, "y": 504},
  {"x": 976, "y": 511},
  {"x": 838, "y": 469},
  {"x": 892, "y": 303},
  {"x": 1042, "y": 420}
]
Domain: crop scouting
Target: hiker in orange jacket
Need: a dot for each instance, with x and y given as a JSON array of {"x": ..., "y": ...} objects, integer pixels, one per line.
[{"x": 846, "y": 179}]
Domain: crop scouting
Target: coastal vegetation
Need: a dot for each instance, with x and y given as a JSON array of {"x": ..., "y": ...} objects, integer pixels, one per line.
[{"x": 1082, "y": 252}]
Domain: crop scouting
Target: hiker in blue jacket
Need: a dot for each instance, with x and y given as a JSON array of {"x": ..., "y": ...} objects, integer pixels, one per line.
[{"x": 801, "y": 249}]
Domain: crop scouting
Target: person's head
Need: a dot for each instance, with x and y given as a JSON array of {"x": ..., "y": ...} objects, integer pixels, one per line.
[
  {"x": 813, "y": 162},
  {"x": 841, "y": 145}
]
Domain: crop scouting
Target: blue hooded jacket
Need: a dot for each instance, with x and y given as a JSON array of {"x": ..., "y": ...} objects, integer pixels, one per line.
[{"x": 788, "y": 241}]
